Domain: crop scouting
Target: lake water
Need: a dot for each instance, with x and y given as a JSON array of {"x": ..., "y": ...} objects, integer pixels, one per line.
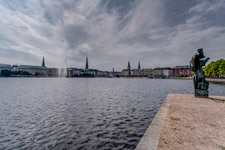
[{"x": 82, "y": 113}]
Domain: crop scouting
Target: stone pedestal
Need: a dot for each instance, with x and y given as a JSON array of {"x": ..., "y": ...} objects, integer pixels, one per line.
[{"x": 201, "y": 93}]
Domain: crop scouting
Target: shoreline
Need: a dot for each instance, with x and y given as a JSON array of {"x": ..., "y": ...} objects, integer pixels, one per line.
[{"x": 215, "y": 80}]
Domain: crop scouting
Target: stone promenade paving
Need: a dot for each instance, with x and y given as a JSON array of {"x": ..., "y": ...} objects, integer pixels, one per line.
[{"x": 194, "y": 124}]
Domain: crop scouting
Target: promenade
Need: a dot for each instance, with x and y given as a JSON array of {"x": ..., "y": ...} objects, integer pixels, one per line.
[
  {"x": 216, "y": 80},
  {"x": 185, "y": 122}
]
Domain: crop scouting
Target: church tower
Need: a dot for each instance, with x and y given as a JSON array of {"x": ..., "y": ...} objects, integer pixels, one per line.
[
  {"x": 43, "y": 62},
  {"x": 128, "y": 68},
  {"x": 86, "y": 67},
  {"x": 139, "y": 66}
]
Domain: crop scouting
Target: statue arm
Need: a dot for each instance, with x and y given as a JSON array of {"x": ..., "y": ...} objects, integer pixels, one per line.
[{"x": 205, "y": 61}]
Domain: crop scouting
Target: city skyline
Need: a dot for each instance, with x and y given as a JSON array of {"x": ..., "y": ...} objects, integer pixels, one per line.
[
  {"x": 86, "y": 66},
  {"x": 158, "y": 33}
]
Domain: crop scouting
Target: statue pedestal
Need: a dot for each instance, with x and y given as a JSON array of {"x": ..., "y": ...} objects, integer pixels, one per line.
[{"x": 201, "y": 93}]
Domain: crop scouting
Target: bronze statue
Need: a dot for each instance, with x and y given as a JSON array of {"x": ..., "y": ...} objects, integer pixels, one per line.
[{"x": 200, "y": 84}]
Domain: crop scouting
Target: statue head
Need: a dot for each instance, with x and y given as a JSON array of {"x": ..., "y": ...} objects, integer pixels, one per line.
[{"x": 201, "y": 54}]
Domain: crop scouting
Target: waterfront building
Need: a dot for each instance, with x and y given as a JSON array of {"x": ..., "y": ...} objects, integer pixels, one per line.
[
  {"x": 14, "y": 67},
  {"x": 114, "y": 73},
  {"x": 5, "y": 66},
  {"x": 165, "y": 72},
  {"x": 73, "y": 72},
  {"x": 135, "y": 72},
  {"x": 127, "y": 71},
  {"x": 41, "y": 70},
  {"x": 93, "y": 72},
  {"x": 148, "y": 72},
  {"x": 182, "y": 70},
  {"x": 34, "y": 69},
  {"x": 103, "y": 74}
]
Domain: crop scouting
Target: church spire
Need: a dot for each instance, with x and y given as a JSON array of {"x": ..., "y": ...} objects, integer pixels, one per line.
[
  {"x": 43, "y": 62},
  {"x": 139, "y": 66},
  {"x": 128, "y": 68},
  {"x": 86, "y": 67}
]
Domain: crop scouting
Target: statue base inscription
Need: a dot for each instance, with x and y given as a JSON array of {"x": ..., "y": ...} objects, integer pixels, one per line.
[{"x": 201, "y": 93}]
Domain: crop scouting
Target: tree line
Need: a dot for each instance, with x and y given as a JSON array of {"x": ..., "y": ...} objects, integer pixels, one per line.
[
  {"x": 215, "y": 69},
  {"x": 10, "y": 73}
]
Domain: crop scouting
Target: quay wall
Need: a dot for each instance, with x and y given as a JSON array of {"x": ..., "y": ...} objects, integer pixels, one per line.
[
  {"x": 151, "y": 137},
  {"x": 216, "y": 80}
]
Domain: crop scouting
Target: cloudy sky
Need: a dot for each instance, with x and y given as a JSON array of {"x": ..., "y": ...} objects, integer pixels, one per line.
[{"x": 159, "y": 33}]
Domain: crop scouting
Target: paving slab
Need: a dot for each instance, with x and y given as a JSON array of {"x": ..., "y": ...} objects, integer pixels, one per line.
[
  {"x": 188, "y": 123},
  {"x": 194, "y": 123}
]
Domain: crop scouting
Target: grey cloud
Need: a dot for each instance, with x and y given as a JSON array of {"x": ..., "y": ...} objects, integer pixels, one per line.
[
  {"x": 17, "y": 57},
  {"x": 75, "y": 35},
  {"x": 176, "y": 11},
  {"x": 53, "y": 15}
]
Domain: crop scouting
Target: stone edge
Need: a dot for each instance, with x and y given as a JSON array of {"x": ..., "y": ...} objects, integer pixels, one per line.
[{"x": 151, "y": 137}]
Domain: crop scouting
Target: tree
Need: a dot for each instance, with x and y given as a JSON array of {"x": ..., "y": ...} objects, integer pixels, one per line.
[
  {"x": 221, "y": 69},
  {"x": 6, "y": 72},
  {"x": 215, "y": 69}
]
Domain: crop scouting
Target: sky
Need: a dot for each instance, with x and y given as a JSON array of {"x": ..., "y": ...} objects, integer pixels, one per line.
[{"x": 158, "y": 33}]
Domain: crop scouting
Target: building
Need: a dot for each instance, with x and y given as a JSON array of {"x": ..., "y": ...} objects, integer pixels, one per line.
[
  {"x": 126, "y": 72},
  {"x": 103, "y": 74},
  {"x": 34, "y": 69},
  {"x": 93, "y": 72},
  {"x": 165, "y": 72},
  {"x": 148, "y": 72},
  {"x": 182, "y": 70},
  {"x": 41, "y": 70},
  {"x": 136, "y": 72},
  {"x": 115, "y": 74},
  {"x": 73, "y": 72},
  {"x": 14, "y": 67}
]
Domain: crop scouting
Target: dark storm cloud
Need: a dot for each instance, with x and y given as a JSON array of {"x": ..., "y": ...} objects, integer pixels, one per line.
[{"x": 111, "y": 32}]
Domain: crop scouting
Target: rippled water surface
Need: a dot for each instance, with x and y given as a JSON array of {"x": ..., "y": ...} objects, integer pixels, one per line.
[{"x": 42, "y": 113}]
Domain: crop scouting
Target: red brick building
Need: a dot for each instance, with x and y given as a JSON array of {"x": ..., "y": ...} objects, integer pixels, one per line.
[{"x": 182, "y": 70}]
